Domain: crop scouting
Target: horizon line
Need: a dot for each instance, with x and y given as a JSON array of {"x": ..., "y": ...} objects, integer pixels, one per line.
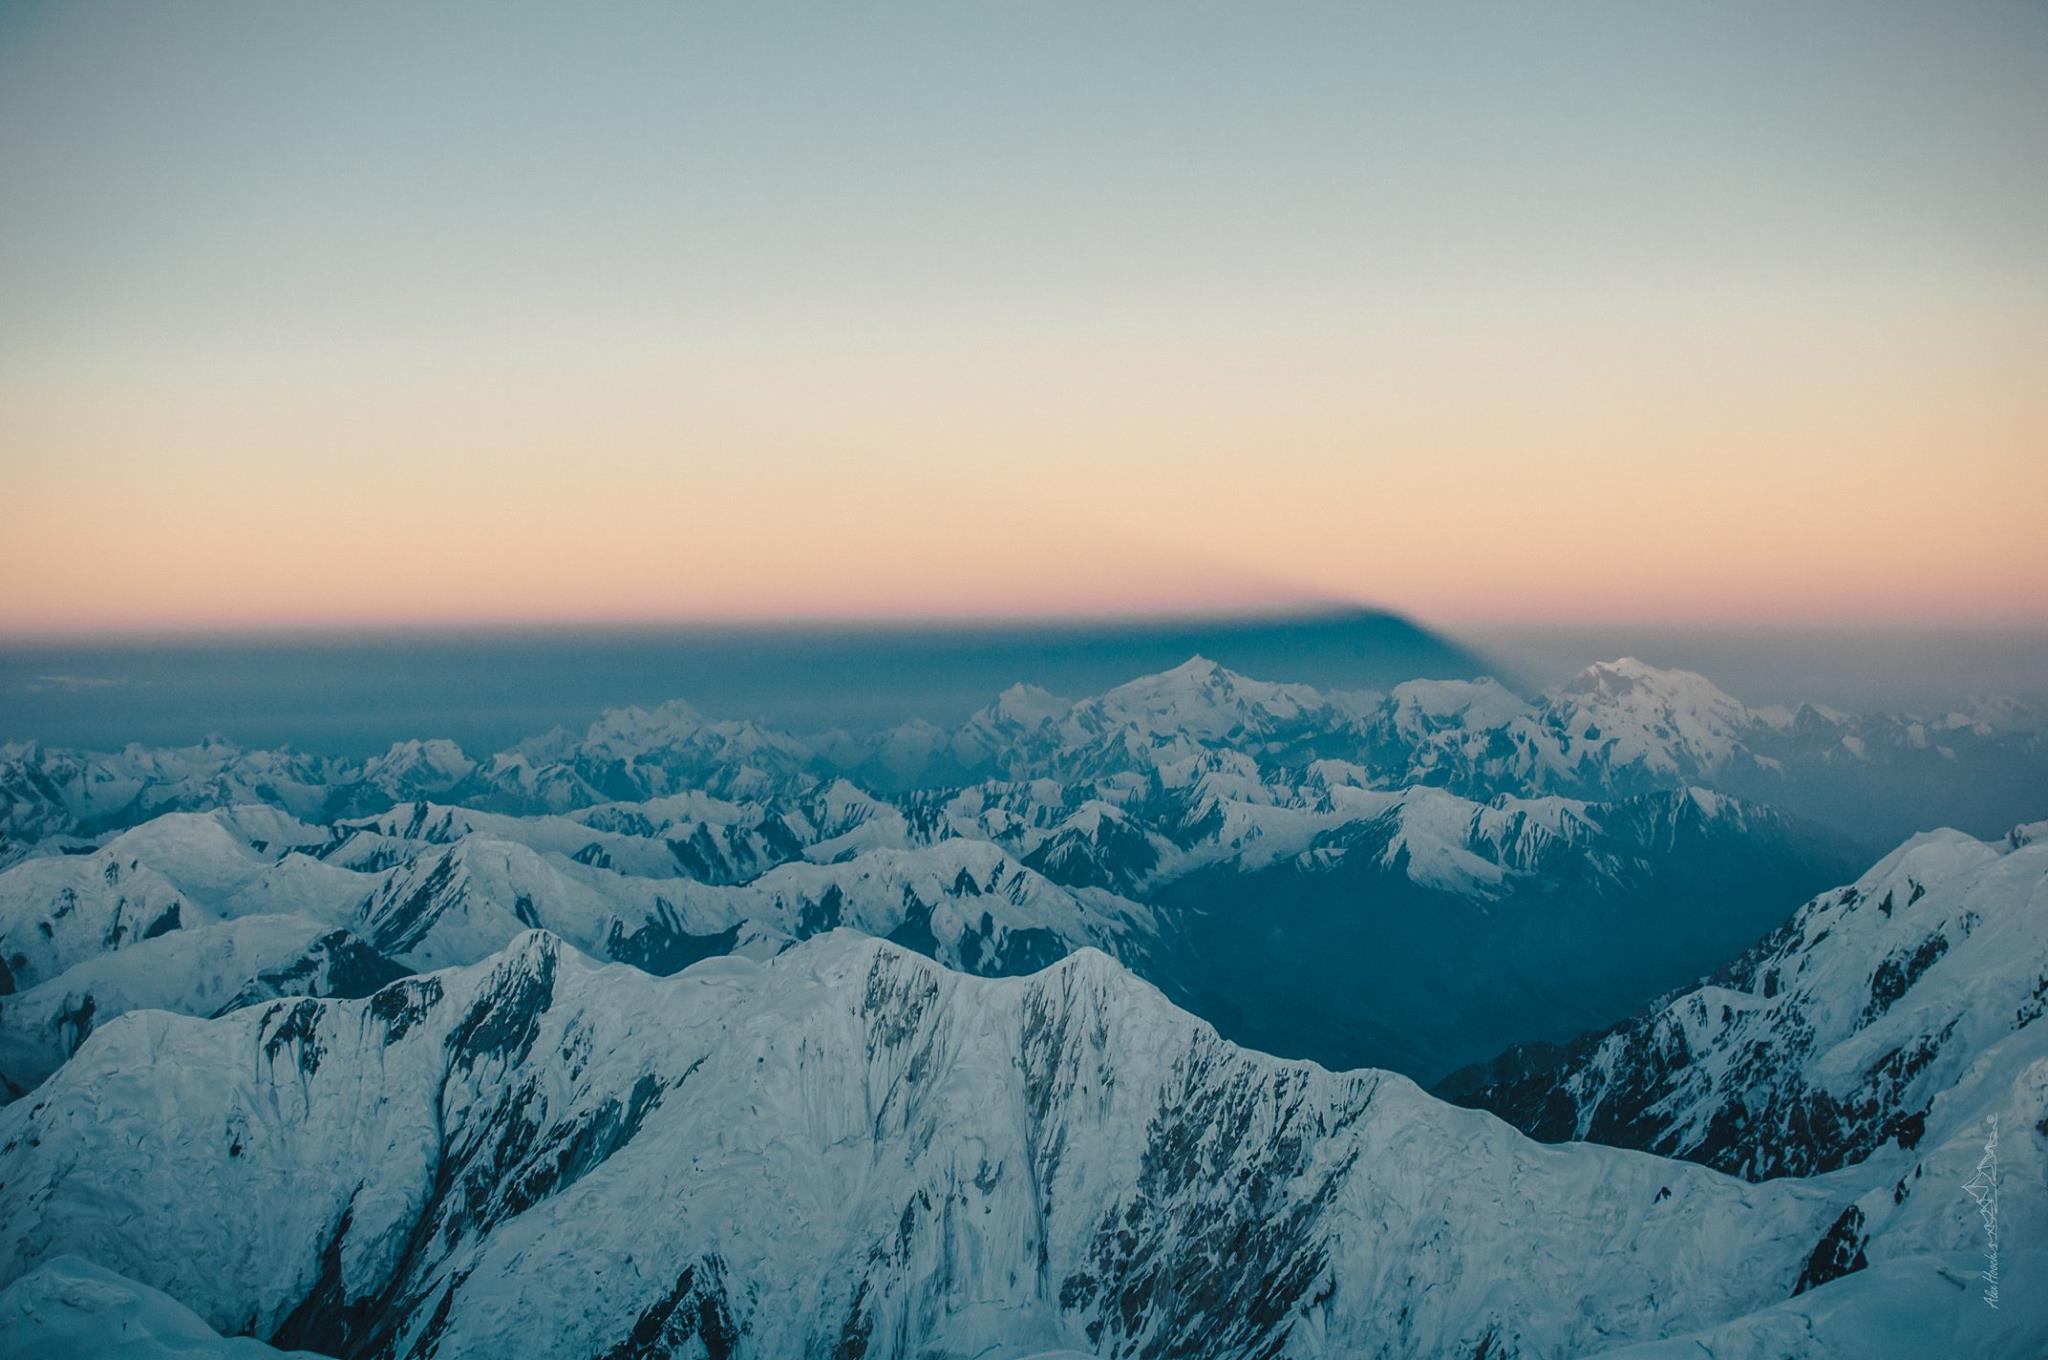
[
  {"x": 935, "y": 622},
  {"x": 289, "y": 630}
]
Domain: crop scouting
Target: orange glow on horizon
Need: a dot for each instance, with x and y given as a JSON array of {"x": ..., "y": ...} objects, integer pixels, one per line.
[
  {"x": 312, "y": 318},
  {"x": 1812, "y": 474}
]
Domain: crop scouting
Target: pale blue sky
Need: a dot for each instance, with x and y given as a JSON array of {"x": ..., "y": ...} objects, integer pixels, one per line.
[
  {"x": 1295, "y": 234},
  {"x": 207, "y": 164}
]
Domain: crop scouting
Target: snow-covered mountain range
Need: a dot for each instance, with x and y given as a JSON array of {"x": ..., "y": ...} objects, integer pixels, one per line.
[
  {"x": 1830, "y": 1038},
  {"x": 1306, "y": 871},
  {"x": 1311, "y": 919},
  {"x": 1617, "y": 729},
  {"x": 684, "y": 1036},
  {"x": 850, "y": 1150}
]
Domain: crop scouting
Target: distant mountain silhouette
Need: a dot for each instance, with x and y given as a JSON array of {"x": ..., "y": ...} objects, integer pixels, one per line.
[{"x": 356, "y": 693}]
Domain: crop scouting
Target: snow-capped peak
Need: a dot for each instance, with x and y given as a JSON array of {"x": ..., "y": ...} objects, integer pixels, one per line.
[
  {"x": 1830, "y": 1039},
  {"x": 1669, "y": 722},
  {"x": 1027, "y": 706},
  {"x": 1201, "y": 699},
  {"x": 1626, "y": 678},
  {"x": 1480, "y": 703},
  {"x": 632, "y": 729},
  {"x": 537, "y": 1156},
  {"x": 418, "y": 766}
]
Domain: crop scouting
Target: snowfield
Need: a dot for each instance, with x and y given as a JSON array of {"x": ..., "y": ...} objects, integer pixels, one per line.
[
  {"x": 849, "y": 1141},
  {"x": 681, "y": 1036}
]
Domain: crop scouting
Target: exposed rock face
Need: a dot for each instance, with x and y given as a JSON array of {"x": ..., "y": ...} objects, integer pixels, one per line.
[
  {"x": 847, "y": 1151},
  {"x": 1268, "y": 907},
  {"x": 1829, "y": 1039},
  {"x": 668, "y": 1039},
  {"x": 207, "y": 970}
]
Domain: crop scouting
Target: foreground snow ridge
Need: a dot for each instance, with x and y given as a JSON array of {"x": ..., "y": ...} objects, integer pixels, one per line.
[
  {"x": 850, "y": 1151},
  {"x": 681, "y": 1037},
  {"x": 69, "y": 1309},
  {"x": 1830, "y": 1038}
]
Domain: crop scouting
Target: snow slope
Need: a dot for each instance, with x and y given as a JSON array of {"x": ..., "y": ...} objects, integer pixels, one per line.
[
  {"x": 965, "y": 902},
  {"x": 1830, "y": 1038},
  {"x": 845, "y": 1143},
  {"x": 995, "y": 879},
  {"x": 201, "y": 970},
  {"x": 69, "y": 1309},
  {"x": 850, "y": 1150}
]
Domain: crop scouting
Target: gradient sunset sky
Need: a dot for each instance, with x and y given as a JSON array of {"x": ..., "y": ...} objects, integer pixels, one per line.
[{"x": 320, "y": 314}]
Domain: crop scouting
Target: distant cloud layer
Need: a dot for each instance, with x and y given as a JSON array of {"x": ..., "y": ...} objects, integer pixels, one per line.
[{"x": 43, "y": 683}]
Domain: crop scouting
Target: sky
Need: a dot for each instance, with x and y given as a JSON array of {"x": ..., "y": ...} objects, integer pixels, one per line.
[{"x": 1493, "y": 314}]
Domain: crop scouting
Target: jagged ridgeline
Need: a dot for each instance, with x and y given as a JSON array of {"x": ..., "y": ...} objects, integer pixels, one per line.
[
  {"x": 679, "y": 1036},
  {"x": 486, "y": 690},
  {"x": 1414, "y": 880},
  {"x": 852, "y": 1151},
  {"x": 1832, "y": 1037}
]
